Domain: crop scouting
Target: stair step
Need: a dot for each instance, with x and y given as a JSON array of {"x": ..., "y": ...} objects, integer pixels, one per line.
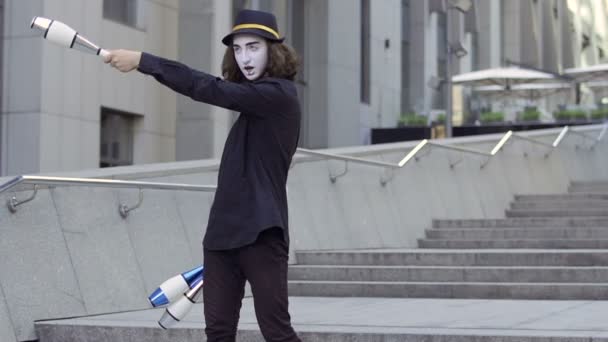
[
  {"x": 556, "y": 212},
  {"x": 517, "y": 222},
  {"x": 515, "y": 243},
  {"x": 560, "y": 204},
  {"x": 504, "y": 274},
  {"x": 518, "y": 233},
  {"x": 594, "y": 182},
  {"x": 562, "y": 291},
  {"x": 571, "y": 196},
  {"x": 595, "y": 189},
  {"x": 467, "y": 257}
]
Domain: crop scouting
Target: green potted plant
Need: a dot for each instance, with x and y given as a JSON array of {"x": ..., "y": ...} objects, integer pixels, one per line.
[
  {"x": 570, "y": 115},
  {"x": 412, "y": 119},
  {"x": 439, "y": 119},
  {"x": 599, "y": 114},
  {"x": 491, "y": 117},
  {"x": 438, "y": 126},
  {"x": 529, "y": 115}
]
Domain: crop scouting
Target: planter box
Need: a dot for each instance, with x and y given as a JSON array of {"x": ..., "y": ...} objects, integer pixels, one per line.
[
  {"x": 408, "y": 133},
  {"x": 405, "y": 133},
  {"x": 460, "y": 131}
]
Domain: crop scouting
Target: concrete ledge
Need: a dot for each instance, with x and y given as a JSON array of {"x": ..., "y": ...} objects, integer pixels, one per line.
[
  {"x": 446, "y": 257},
  {"x": 518, "y": 222},
  {"x": 492, "y": 274},
  {"x": 562, "y": 291},
  {"x": 586, "y": 212},
  {"x": 519, "y": 233},
  {"x": 515, "y": 243},
  {"x": 571, "y": 196}
]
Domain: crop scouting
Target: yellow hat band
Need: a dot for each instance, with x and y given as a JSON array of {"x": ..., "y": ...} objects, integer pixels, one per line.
[{"x": 256, "y": 26}]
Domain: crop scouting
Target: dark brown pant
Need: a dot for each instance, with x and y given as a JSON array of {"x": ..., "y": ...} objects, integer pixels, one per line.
[{"x": 264, "y": 265}]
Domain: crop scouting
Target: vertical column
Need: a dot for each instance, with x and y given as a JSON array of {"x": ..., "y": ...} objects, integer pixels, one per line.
[
  {"x": 1, "y": 82},
  {"x": 512, "y": 42},
  {"x": 317, "y": 63},
  {"x": 420, "y": 94},
  {"x": 21, "y": 90},
  {"x": 495, "y": 34},
  {"x": 566, "y": 36},
  {"x": 201, "y": 129},
  {"x": 343, "y": 99}
]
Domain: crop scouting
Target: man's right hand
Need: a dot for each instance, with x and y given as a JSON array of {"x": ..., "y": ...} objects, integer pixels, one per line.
[{"x": 123, "y": 60}]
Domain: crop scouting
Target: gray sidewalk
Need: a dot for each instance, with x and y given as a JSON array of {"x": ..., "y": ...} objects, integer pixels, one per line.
[{"x": 367, "y": 319}]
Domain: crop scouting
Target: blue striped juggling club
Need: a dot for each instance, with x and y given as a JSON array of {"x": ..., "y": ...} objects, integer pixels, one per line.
[
  {"x": 174, "y": 287},
  {"x": 180, "y": 307}
]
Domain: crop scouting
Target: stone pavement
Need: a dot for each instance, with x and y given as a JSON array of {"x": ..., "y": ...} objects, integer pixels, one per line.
[{"x": 367, "y": 319}]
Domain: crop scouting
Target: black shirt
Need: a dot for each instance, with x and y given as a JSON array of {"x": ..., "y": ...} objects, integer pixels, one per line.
[{"x": 251, "y": 188}]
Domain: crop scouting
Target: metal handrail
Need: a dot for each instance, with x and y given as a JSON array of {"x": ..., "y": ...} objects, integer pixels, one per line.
[
  {"x": 58, "y": 181},
  {"x": 426, "y": 142},
  {"x": 347, "y": 158},
  {"x": 389, "y": 166},
  {"x": 560, "y": 137},
  {"x": 13, "y": 203},
  {"x": 333, "y": 176},
  {"x": 580, "y": 134},
  {"x": 412, "y": 154},
  {"x": 555, "y": 143},
  {"x": 533, "y": 141}
]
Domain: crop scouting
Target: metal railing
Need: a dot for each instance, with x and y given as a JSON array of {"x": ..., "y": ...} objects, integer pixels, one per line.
[
  {"x": 414, "y": 153},
  {"x": 388, "y": 167},
  {"x": 123, "y": 209},
  {"x": 13, "y": 203}
]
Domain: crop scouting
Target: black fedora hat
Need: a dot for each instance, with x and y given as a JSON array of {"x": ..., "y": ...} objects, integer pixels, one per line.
[{"x": 260, "y": 23}]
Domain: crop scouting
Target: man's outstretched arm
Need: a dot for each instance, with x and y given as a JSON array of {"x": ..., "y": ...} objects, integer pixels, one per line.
[
  {"x": 123, "y": 60},
  {"x": 249, "y": 97}
]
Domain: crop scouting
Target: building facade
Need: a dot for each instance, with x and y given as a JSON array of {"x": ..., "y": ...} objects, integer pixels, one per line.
[{"x": 364, "y": 63}]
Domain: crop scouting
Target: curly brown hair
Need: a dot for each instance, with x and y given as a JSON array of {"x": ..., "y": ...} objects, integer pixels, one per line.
[{"x": 283, "y": 62}]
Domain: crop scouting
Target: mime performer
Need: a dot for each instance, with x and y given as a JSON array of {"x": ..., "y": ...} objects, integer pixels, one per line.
[{"x": 247, "y": 234}]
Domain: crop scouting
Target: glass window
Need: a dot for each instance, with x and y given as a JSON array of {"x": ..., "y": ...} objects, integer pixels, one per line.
[
  {"x": 116, "y": 145},
  {"x": 128, "y": 12},
  {"x": 278, "y": 7},
  {"x": 1, "y": 63},
  {"x": 442, "y": 33},
  {"x": 260, "y": 5},
  {"x": 405, "y": 55},
  {"x": 238, "y": 5},
  {"x": 365, "y": 51}
]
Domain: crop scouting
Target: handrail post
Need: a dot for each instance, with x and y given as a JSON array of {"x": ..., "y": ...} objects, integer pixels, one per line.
[
  {"x": 389, "y": 174},
  {"x": 334, "y": 177},
  {"x": 13, "y": 202},
  {"x": 452, "y": 165},
  {"x": 124, "y": 210},
  {"x": 483, "y": 165}
]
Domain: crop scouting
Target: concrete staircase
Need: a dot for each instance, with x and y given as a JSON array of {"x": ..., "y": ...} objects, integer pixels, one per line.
[
  {"x": 475, "y": 263},
  {"x": 547, "y": 247}
]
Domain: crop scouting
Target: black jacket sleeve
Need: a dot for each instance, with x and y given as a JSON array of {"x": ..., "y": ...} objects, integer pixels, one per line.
[{"x": 262, "y": 97}]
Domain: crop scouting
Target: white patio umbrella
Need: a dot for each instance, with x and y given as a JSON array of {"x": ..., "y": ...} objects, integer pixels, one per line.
[
  {"x": 504, "y": 77},
  {"x": 594, "y": 77},
  {"x": 588, "y": 73},
  {"x": 530, "y": 91},
  {"x": 504, "y": 80}
]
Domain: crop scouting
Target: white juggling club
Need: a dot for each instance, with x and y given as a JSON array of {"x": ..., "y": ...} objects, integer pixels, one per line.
[
  {"x": 173, "y": 288},
  {"x": 63, "y": 35},
  {"x": 180, "y": 308}
]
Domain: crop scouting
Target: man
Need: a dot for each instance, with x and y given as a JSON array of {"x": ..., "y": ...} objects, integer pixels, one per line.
[{"x": 247, "y": 233}]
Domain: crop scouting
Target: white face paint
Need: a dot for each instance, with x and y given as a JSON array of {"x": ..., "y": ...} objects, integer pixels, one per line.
[{"x": 251, "y": 54}]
